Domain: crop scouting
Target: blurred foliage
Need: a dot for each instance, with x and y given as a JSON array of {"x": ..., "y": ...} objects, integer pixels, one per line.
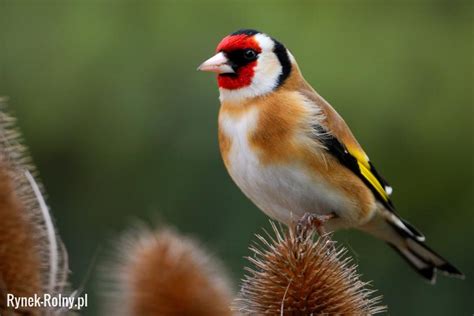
[{"x": 122, "y": 127}]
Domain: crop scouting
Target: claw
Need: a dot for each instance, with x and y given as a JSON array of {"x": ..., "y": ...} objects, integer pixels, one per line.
[{"x": 310, "y": 221}]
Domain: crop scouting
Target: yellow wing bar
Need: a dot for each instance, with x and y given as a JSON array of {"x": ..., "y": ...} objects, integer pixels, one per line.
[
  {"x": 367, "y": 171},
  {"x": 372, "y": 180},
  {"x": 357, "y": 161}
]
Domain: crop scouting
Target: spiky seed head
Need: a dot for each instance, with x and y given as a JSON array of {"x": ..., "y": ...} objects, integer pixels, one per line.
[
  {"x": 164, "y": 273},
  {"x": 294, "y": 275},
  {"x": 32, "y": 259},
  {"x": 20, "y": 265}
]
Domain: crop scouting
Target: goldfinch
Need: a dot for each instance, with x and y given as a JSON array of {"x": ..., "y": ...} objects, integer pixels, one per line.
[{"x": 294, "y": 156}]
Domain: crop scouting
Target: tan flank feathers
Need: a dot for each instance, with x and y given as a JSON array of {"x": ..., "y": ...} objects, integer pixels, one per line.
[
  {"x": 32, "y": 257},
  {"x": 300, "y": 276},
  {"x": 163, "y": 273}
]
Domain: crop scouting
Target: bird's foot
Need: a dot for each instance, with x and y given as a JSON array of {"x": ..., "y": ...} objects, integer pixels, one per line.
[{"x": 310, "y": 221}]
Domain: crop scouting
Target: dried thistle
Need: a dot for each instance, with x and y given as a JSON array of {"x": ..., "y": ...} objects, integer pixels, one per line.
[
  {"x": 295, "y": 275},
  {"x": 163, "y": 273},
  {"x": 32, "y": 257}
]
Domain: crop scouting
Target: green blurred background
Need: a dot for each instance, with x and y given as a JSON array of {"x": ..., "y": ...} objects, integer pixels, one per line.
[{"x": 122, "y": 127}]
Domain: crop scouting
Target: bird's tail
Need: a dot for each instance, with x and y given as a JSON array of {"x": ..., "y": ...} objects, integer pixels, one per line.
[
  {"x": 424, "y": 260},
  {"x": 409, "y": 243}
]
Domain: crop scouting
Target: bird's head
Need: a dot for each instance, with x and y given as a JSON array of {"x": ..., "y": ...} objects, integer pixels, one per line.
[{"x": 248, "y": 64}]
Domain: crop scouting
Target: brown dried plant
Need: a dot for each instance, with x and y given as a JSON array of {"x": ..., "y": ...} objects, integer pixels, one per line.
[
  {"x": 164, "y": 273},
  {"x": 32, "y": 258},
  {"x": 298, "y": 275}
]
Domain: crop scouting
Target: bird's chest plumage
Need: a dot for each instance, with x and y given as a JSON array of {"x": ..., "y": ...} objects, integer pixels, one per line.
[{"x": 265, "y": 154}]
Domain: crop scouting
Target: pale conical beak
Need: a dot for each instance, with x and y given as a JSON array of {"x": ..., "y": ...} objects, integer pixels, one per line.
[{"x": 218, "y": 64}]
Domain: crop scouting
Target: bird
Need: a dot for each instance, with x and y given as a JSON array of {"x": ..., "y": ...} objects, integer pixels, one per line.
[{"x": 295, "y": 158}]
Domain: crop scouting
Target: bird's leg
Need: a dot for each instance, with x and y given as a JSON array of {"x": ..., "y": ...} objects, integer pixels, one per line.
[{"x": 310, "y": 220}]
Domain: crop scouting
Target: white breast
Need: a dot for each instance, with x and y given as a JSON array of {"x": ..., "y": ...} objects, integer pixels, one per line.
[{"x": 284, "y": 192}]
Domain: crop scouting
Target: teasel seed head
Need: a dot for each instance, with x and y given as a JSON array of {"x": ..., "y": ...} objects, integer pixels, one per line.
[
  {"x": 32, "y": 258},
  {"x": 164, "y": 273},
  {"x": 294, "y": 275}
]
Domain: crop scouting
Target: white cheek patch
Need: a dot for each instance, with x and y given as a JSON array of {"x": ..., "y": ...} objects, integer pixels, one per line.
[
  {"x": 265, "y": 42},
  {"x": 267, "y": 72}
]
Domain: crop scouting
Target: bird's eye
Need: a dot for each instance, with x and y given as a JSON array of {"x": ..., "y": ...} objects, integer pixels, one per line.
[{"x": 250, "y": 54}]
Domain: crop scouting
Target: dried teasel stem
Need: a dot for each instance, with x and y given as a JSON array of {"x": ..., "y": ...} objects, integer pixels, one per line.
[
  {"x": 164, "y": 273},
  {"x": 32, "y": 257},
  {"x": 294, "y": 275}
]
